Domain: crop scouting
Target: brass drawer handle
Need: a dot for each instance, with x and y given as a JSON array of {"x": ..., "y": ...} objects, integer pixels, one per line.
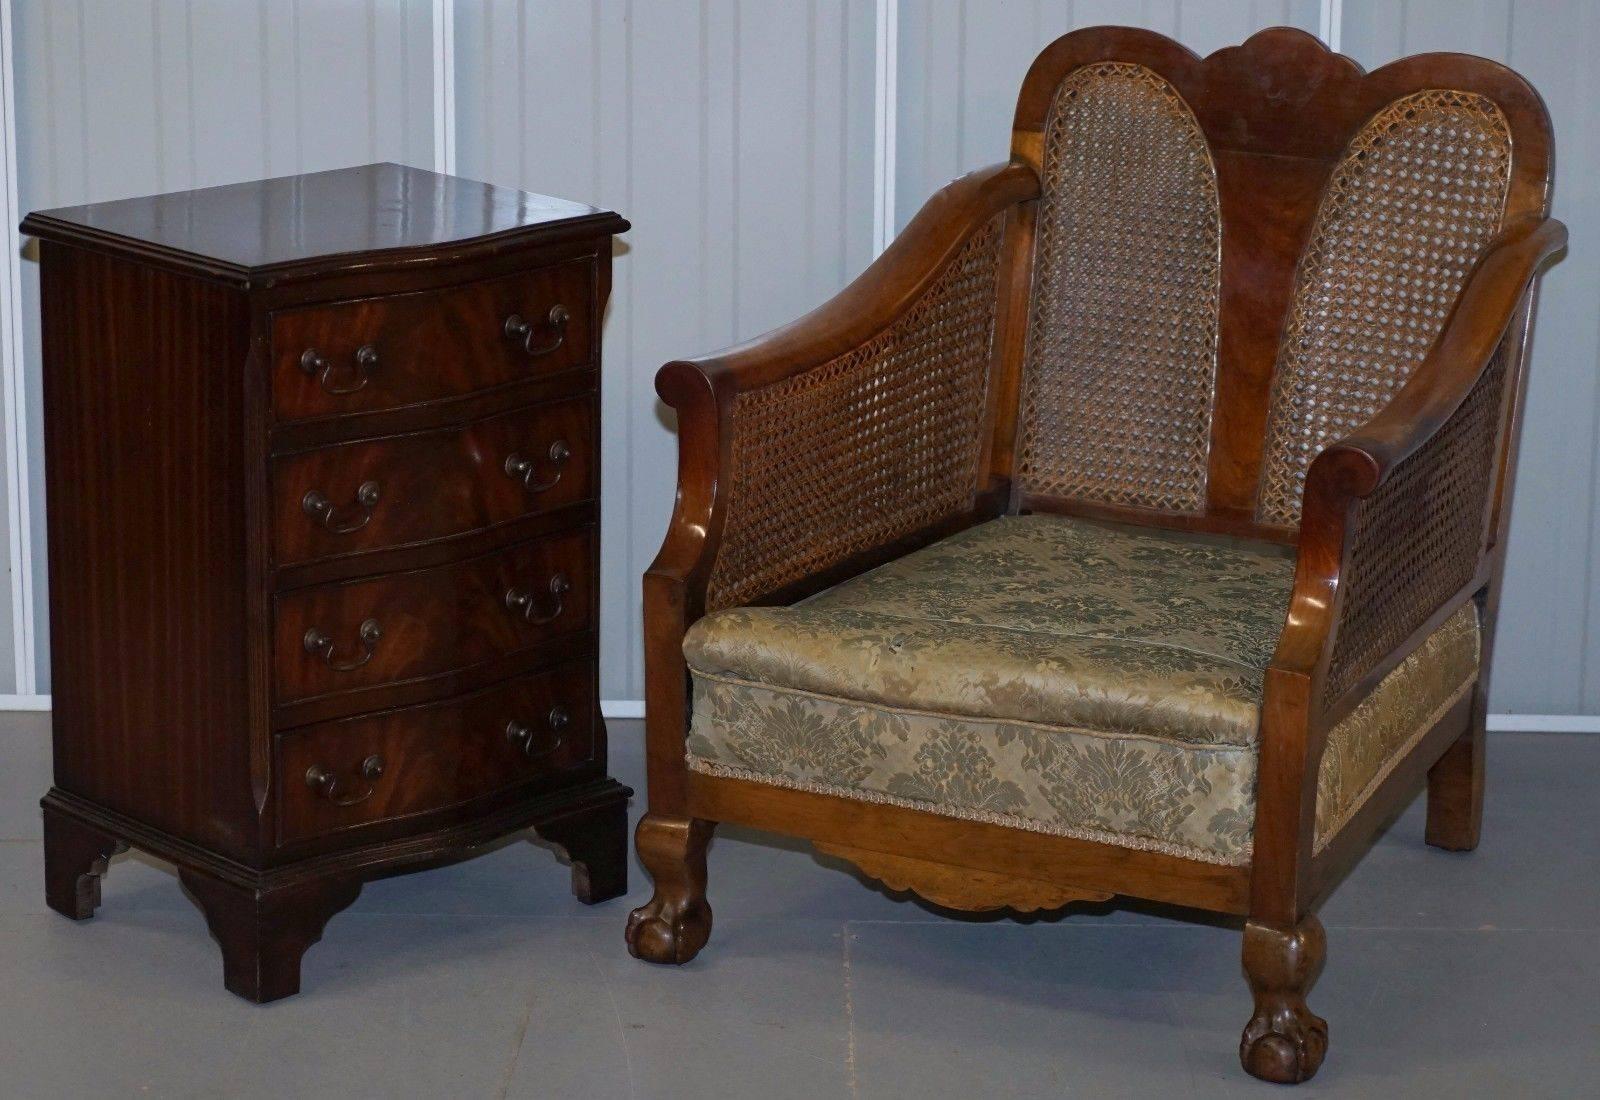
[
  {"x": 327, "y": 785},
  {"x": 558, "y": 719},
  {"x": 319, "y": 644},
  {"x": 320, "y": 367},
  {"x": 518, "y": 330},
  {"x": 526, "y": 603},
  {"x": 522, "y": 469},
  {"x": 325, "y": 512}
]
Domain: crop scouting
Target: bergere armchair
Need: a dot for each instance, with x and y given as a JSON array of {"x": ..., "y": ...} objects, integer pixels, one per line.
[{"x": 1134, "y": 525}]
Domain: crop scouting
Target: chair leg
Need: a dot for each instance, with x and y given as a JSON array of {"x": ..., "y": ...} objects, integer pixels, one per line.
[
  {"x": 1284, "y": 1042},
  {"x": 1455, "y": 788},
  {"x": 675, "y": 923}
]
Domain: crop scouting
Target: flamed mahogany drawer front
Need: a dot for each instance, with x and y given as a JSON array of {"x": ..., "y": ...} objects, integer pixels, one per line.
[
  {"x": 429, "y": 485},
  {"x": 382, "y": 353},
  {"x": 337, "y": 775},
  {"x": 405, "y": 626}
]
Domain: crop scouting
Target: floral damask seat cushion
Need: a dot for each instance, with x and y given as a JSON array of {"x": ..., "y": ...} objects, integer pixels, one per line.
[{"x": 1048, "y": 673}]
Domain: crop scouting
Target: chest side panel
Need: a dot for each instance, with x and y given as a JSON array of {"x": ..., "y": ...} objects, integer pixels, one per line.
[{"x": 145, "y": 445}]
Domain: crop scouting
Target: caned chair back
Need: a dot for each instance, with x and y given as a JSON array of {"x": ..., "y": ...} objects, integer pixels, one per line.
[{"x": 1239, "y": 259}]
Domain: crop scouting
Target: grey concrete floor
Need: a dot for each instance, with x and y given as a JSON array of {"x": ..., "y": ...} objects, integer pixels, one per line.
[{"x": 1448, "y": 976}]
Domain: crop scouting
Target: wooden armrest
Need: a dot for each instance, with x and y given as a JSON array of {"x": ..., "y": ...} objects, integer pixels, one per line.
[
  {"x": 703, "y": 391},
  {"x": 878, "y": 297},
  {"x": 1366, "y": 457},
  {"x": 1355, "y": 468}
]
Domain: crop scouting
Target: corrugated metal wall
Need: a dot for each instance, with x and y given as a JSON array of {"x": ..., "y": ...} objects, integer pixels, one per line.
[
  {"x": 738, "y": 137},
  {"x": 134, "y": 97}
]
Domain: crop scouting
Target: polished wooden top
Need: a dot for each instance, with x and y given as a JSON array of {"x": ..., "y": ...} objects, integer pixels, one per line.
[{"x": 255, "y": 233}]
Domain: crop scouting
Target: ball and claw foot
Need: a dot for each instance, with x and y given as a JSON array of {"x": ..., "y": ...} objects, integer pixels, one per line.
[
  {"x": 662, "y": 931},
  {"x": 675, "y": 923},
  {"x": 1284, "y": 1042}
]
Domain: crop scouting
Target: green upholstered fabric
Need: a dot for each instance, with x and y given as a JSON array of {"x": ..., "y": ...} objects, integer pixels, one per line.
[{"x": 1043, "y": 672}]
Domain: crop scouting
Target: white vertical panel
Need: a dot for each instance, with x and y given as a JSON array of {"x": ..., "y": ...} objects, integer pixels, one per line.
[
  {"x": 856, "y": 142},
  {"x": 987, "y": 106},
  {"x": 774, "y": 133},
  {"x": 667, "y": 173},
  {"x": 17, "y": 676},
  {"x": 128, "y": 97},
  {"x": 1549, "y": 647},
  {"x": 931, "y": 90},
  {"x": 1330, "y": 23},
  {"x": 828, "y": 89},
  {"x": 1377, "y": 31},
  {"x": 1208, "y": 25},
  {"x": 1374, "y": 30},
  {"x": 226, "y": 140},
  {"x": 333, "y": 65},
  {"x": 442, "y": 103},
  {"x": 886, "y": 119},
  {"x": 172, "y": 67},
  {"x": 1477, "y": 26},
  {"x": 720, "y": 29}
]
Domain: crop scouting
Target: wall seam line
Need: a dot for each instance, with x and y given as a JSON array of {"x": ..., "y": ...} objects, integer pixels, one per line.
[{"x": 18, "y": 482}]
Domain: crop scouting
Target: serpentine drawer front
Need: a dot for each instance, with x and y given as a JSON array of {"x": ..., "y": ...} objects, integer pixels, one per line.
[
  {"x": 359, "y": 771},
  {"x": 387, "y": 352},
  {"x": 414, "y": 488},
  {"x": 322, "y": 454},
  {"x": 404, "y": 626}
]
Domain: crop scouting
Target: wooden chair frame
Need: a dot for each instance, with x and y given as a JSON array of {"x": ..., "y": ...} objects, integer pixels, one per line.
[{"x": 1277, "y": 112}]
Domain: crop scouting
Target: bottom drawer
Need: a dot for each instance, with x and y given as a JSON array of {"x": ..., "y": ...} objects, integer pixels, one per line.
[{"x": 358, "y": 771}]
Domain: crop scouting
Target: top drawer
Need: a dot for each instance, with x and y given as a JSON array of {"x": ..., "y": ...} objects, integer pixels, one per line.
[{"x": 384, "y": 353}]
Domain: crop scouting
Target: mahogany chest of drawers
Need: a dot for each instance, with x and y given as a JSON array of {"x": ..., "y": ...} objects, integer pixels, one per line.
[{"x": 322, "y": 461}]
